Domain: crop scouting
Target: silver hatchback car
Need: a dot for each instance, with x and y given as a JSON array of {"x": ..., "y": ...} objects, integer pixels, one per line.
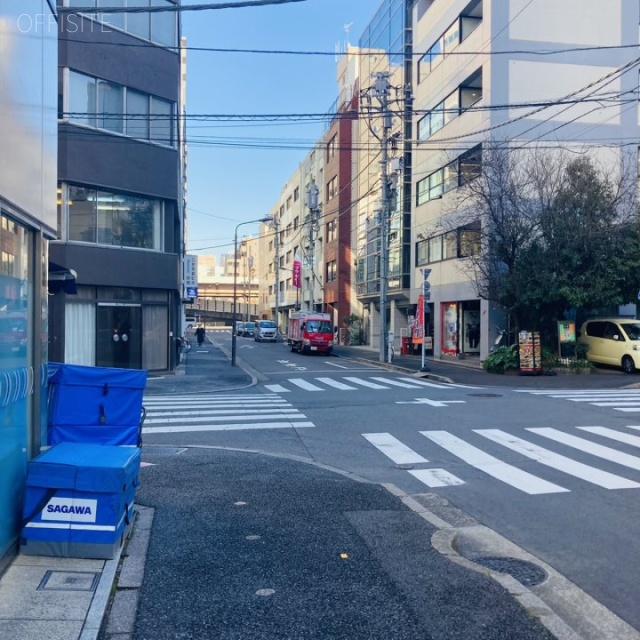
[{"x": 266, "y": 330}]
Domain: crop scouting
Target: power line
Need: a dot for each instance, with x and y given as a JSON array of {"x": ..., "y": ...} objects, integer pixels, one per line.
[{"x": 240, "y": 4}]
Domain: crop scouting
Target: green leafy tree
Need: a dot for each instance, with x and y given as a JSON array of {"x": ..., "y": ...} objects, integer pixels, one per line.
[{"x": 557, "y": 235}]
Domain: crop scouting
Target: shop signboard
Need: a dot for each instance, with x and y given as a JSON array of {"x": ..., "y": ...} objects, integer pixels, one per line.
[
  {"x": 566, "y": 338},
  {"x": 530, "y": 352}
]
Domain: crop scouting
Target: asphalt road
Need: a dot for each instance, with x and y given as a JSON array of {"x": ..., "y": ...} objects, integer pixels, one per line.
[{"x": 544, "y": 469}]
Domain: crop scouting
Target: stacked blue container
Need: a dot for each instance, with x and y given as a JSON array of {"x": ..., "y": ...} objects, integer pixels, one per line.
[
  {"x": 80, "y": 500},
  {"x": 80, "y": 493}
]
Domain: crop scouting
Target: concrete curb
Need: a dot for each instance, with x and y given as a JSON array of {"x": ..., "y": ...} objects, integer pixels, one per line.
[
  {"x": 561, "y": 606},
  {"x": 399, "y": 369}
]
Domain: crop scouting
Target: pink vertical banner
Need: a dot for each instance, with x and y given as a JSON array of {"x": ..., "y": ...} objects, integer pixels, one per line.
[{"x": 296, "y": 279}]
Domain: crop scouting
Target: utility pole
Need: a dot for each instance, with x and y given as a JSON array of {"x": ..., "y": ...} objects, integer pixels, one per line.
[
  {"x": 312, "y": 203},
  {"x": 276, "y": 268},
  {"x": 381, "y": 92}
]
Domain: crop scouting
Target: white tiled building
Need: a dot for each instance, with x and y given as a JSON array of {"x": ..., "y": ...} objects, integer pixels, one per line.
[{"x": 487, "y": 76}]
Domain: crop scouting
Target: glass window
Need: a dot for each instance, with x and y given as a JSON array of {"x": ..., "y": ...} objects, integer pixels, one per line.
[
  {"x": 451, "y": 107},
  {"x": 435, "y": 53},
  {"x": 469, "y": 240},
  {"x": 128, "y": 221},
  {"x": 110, "y": 106},
  {"x": 137, "y": 114},
  {"x": 82, "y": 99},
  {"x": 422, "y": 191},
  {"x": 16, "y": 337},
  {"x": 139, "y": 23},
  {"x": 469, "y": 96},
  {"x": 450, "y": 177},
  {"x": 632, "y": 330},
  {"x": 450, "y": 245},
  {"x": 423, "y": 127},
  {"x": 82, "y": 218},
  {"x": 596, "y": 329},
  {"x": 163, "y": 24},
  {"x": 111, "y": 19},
  {"x": 422, "y": 252},
  {"x": 452, "y": 37},
  {"x": 468, "y": 25},
  {"x": 435, "y": 249},
  {"x": 436, "y": 119},
  {"x": 436, "y": 184},
  {"x": 161, "y": 122},
  {"x": 470, "y": 165}
]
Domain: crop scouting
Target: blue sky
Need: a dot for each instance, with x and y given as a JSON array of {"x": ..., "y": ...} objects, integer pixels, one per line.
[{"x": 230, "y": 185}]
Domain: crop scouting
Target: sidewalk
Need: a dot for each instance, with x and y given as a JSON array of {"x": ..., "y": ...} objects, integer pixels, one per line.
[
  {"x": 469, "y": 371},
  {"x": 243, "y": 546}
]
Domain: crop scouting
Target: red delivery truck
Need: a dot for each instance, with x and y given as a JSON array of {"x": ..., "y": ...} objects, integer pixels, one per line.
[{"x": 310, "y": 331}]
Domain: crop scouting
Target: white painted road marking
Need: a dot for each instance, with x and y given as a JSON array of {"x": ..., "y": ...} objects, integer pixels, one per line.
[
  {"x": 620, "y": 436},
  {"x": 587, "y": 446},
  {"x": 557, "y": 461},
  {"x": 436, "y": 478},
  {"x": 433, "y": 403},
  {"x": 336, "y": 384},
  {"x": 393, "y": 448},
  {"x": 492, "y": 466}
]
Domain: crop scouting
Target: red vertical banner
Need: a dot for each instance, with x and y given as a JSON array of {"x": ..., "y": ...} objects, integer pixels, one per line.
[
  {"x": 296, "y": 278},
  {"x": 418, "y": 325}
]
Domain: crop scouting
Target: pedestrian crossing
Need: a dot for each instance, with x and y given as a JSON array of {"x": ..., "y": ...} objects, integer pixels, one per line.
[
  {"x": 217, "y": 412},
  {"x": 485, "y": 450},
  {"x": 355, "y": 383},
  {"x": 623, "y": 400}
]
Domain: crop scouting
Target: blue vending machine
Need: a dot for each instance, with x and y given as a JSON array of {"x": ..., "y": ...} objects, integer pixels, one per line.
[{"x": 79, "y": 500}]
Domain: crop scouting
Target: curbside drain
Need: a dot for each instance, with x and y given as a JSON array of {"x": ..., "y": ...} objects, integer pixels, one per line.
[{"x": 526, "y": 573}]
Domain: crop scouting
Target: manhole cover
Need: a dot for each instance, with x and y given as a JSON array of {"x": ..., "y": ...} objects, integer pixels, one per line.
[
  {"x": 526, "y": 573},
  {"x": 69, "y": 581},
  {"x": 485, "y": 395}
]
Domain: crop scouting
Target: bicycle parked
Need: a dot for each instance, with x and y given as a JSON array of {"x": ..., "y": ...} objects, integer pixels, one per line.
[{"x": 185, "y": 345}]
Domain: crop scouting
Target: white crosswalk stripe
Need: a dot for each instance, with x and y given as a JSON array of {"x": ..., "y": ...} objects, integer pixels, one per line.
[
  {"x": 492, "y": 465},
  {"x": 380, "y": 383},
  {"x": 623, "y": 400},
  {"x": 213, "y": 412},
  {"x": 557, "y": 461}
]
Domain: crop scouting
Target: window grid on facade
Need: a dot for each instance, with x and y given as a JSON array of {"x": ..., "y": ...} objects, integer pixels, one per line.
[
  {"x": 332, "y": 187},
  {"x": 100, "y": 104},
  {"x": 331, "y": 230},
  {"x": 455, "y": 174},
  {"x": 462, "y": 242},
  {"x": 159, "y": 27},
  {"x": 456, "y": 33},
  {"x": 331, "y": 148},
  {"x": 331, "y": 271},
  {"x": 454, "y": 105}
]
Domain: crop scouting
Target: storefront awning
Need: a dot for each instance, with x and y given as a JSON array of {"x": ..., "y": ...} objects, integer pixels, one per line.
[{"x": 62, "y": 279}]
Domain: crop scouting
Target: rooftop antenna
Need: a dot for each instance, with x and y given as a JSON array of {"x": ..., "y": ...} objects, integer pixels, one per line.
[{"x": 347, "y": 29}]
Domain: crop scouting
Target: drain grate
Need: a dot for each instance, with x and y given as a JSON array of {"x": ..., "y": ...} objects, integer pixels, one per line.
[
  {"x": 526, "y": 573},
  {"x": 485, "y": 395},
  {"x": 69, "y": 581}
]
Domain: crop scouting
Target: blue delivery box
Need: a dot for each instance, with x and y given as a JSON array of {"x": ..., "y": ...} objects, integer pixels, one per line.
[
  {"x": 102, "y": 405},
  {"x": 79, "y": 500}
]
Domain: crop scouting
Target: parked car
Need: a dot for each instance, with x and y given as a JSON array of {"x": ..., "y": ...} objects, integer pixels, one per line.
[
  {"x": 239, "y": 328},
  {"x": 249, "y": 329},
  {"x": 613, "y": 341},
  {"x": 266, "y": 330}
]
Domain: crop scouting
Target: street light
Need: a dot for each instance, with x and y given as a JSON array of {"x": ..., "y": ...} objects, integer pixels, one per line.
[{"x": 235, "y": 286}]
